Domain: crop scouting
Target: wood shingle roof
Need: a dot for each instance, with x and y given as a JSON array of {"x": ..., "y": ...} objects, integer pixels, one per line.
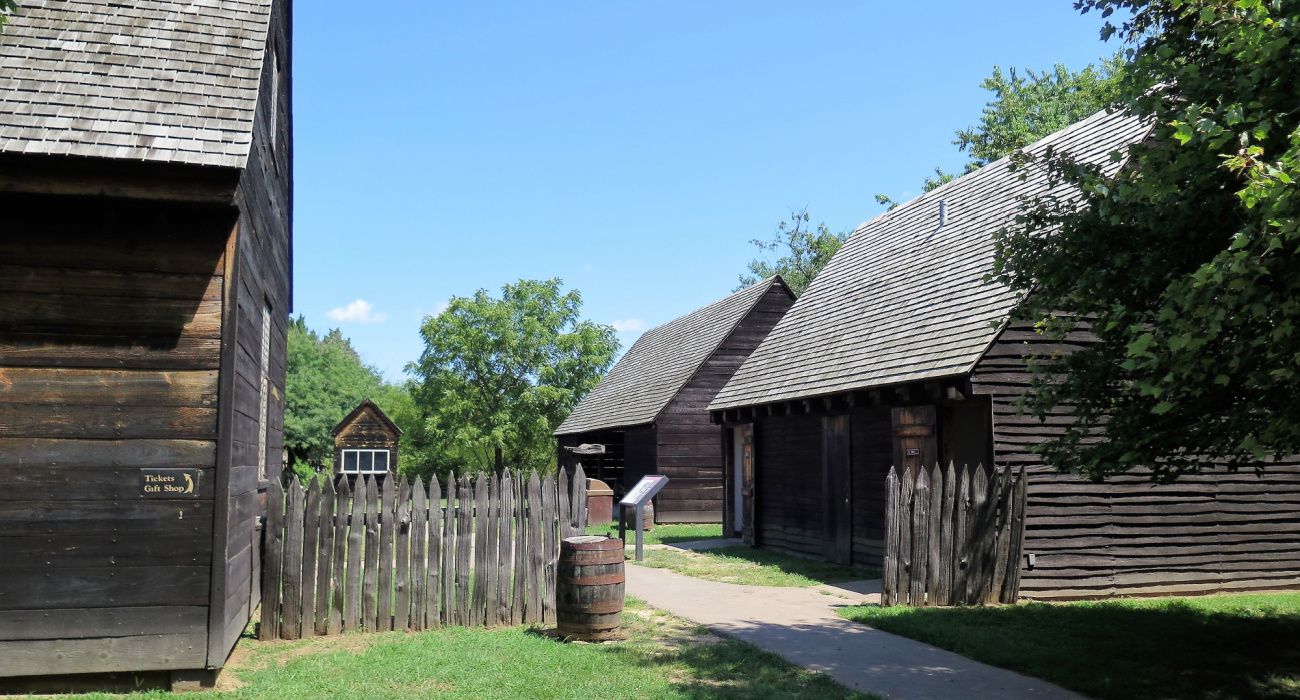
[
  {"x": 660, "y": 363},
  {"x": 905, "y": 298},
  {"x": 153, "y": 80}
]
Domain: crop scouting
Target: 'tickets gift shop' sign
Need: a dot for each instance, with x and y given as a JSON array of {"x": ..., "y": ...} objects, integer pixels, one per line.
[{"x": 169, "y": 483}]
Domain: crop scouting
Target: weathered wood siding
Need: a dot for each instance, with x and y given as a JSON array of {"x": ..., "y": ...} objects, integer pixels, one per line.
[
  {"x": 688, "y": 443},
  {"x": 1211, "y": 532},
  {"x": 872, "y": 451},
  {"x": 110, "y": 334},
  {"x": 263, "y": 273},
  {"x": 788, "y": 484},
  {"x": 638, "y": 457}
]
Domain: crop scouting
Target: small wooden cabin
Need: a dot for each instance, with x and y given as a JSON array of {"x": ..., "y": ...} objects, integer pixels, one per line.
[
  {"x": 365, "y": 443},
  {"x": 901, "y": 354},
  {"x": 145, "y": 231},
  {"x": 650, "y": 410}
]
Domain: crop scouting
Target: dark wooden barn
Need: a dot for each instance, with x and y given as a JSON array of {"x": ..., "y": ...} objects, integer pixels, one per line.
[
  {"x": 900, "y": 353},
  {"x": 650, "y": 411},
  {"x": 365, "y": 442},
  {"x": 146, "y": 198}
]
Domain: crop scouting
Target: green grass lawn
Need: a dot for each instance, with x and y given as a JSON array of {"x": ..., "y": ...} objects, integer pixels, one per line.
[
  {"x": 664, "y": 657},
  {"x": 663, "y": 534},
  {"x": 753, "y": 567},
  {"x": 1205, "y": 648}
]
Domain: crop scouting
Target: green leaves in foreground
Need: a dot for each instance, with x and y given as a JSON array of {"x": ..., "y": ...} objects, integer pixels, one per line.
[{"x": 1185, "y": 265}]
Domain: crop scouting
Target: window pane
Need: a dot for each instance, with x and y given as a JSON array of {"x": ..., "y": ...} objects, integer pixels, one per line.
[
  {"x": 349, "y": 461},
  {"x": 367, "y": 461},
  {"x": 381, "y": 460}
]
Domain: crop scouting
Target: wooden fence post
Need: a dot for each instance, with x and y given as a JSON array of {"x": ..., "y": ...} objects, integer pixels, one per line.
[
  {"x": 920, "y": 535},
  {"x": 505, "y": 552},
  {"x": 338, "y": 577},
  {"x": 325, "y": 559},
  {"x": 961, "y": 553},
  {"x": 273, "y": 531},
  {"x": 519, "y": 596},
  {"x": 1011, "y": 586},
  {"x": 402, "y": 569},
  {"x": 479, "y": 524},
  {"x": 904, "y": 585},
  {"x": 491, "y": 542},
  {"x": 533, "y": 611},
  {"x": 889, "y": 574},
  {"x": 934, "y": 538},
  {"x": 356, "y": 557},
  {"x": 947, "y": 520},
  {"x": 579, "y": 500},
  {"x": 310, "y": 552},
  {"x": 450, "y": 612},
  {"x": 433, "y": 592},
  {"x": 419, "y": 554}
]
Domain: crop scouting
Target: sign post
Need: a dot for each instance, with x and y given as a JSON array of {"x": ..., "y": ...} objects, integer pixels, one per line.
[{"x": 638, "y": 497}]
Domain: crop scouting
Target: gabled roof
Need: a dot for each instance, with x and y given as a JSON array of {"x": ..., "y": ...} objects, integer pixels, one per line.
[
  {"x": 376, "y": 410},
  {"x": 660, "y": 363},
  {"x": 154, "y": 80},
  {"x": 904, "y": 299}
]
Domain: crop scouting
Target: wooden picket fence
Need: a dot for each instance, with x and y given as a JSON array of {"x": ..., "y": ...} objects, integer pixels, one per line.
[
  {"x": 953, "y": 537},
  {"x": 406, "y": 557}
]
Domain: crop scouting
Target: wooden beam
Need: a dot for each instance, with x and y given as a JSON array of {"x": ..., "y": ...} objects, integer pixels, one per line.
[{"x": 64, "y": 175}]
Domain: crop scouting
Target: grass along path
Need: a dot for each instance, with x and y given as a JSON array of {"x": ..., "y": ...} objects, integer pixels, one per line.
[
  {"x": 1205, "y": 648},
  {"x": 663, "y": 534},
  {"x": 664, "y": 657},
  {"x": 753, "y": 567}
]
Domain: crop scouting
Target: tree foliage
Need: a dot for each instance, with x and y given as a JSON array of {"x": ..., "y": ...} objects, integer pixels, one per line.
[
  {"x": 7, "y": 7},
  {"x": 1185, "y": 265},
  {"x": 1025, "y": 107},
  {"x": 325, "y": 379},
  {"x": 501, "y": 373},
  {"x": 801, "y": 252}
]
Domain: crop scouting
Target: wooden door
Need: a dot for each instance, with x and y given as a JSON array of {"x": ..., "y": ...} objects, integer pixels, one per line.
[
  {"x": 837, "y": 489},
  {"x": 916, "y": 442},
  {"x": 745, "y": 434}
]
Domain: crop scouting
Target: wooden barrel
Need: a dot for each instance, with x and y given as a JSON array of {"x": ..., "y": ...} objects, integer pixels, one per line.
[{"x": 589, "y": 588}]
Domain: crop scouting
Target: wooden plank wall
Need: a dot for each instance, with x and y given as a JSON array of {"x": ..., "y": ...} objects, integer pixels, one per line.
[
  {"x": 788, "y": 484},
  {"x": 688, "y": 443},
  {"x": 264, "y": 197},
  {"x": 1215, "y": 531},
  {"x": 110, "y": 329},
  {"x": 396, "y": 556},
  {"x": 872, "y": 453},
  {"x": 638, "y": 457}
]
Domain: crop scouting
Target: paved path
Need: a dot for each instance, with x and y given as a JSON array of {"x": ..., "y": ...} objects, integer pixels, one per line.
[{"x": 800, "y": 625}]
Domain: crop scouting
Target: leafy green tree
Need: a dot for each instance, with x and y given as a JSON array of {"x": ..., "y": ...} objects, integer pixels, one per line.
[
  {"x": 325, "y": 379},
  {"x": 501, "y": 373},
  {"x": 801, "y": 251},
  {"x": 1186, "y": 264},
  {"x": 1026, "y": 107},
  {"x": 7, "y": 7}
]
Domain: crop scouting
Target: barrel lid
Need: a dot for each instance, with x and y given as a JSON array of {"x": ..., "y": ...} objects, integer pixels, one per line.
[
  {"x": 585, "y": 539},
  {"x": 592, "y": 542}
]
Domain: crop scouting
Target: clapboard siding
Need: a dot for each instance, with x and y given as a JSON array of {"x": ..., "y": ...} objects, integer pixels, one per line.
[
  {"x": 688, "y": 443},
  {"x": 264, "y": 196},
  {"x": 1208, "y": 532},
  {"x": 788, "y": 484},
  {"x": 110, "y": 327}
]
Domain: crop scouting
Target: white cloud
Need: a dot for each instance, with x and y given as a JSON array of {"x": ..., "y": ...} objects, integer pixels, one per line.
[
  {"x": 442, "y": 306},
  {"x": 628, "y": 325},
  {"x": 359, "y": 311}
]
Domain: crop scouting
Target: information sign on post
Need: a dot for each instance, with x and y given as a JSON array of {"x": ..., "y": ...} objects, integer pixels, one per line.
[{"x": 637, "y": 498}]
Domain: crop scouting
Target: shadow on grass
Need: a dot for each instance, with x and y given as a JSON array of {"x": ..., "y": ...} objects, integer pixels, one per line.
[
  {"x": 816, "y": 570},
  {"x": 1201, "y": 649}
]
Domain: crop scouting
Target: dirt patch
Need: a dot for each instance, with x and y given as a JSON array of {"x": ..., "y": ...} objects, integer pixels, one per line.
[{"x": 252, "y": 655}]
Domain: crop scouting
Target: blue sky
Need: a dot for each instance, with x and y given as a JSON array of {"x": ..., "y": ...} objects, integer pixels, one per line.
[{"x": 631, "y": 149}]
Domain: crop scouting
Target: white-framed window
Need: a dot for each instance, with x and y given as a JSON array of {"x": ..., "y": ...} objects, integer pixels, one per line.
[
  {"x": 365, "y": 462},
  {"x": 264, "y": 396}
]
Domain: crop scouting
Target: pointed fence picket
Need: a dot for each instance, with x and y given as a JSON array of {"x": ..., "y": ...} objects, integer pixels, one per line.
[
  {"x": 394, "y": 555},
  {"x": 953, "y": 537}
]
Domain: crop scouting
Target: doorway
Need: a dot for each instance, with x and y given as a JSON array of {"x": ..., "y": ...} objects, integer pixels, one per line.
[{"x": 837, "y": 489}]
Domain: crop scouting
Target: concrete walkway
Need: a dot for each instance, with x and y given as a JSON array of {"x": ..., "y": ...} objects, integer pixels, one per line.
[{"x": 800, "y": 624}]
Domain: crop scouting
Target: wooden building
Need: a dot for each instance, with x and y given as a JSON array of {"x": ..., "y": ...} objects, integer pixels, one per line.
[
  {"x": 146, "y": 191},
  {"x": 900, "y": 353},
  {"x": 365, "y": 442},
  {"x": 650, "y": 410}
]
